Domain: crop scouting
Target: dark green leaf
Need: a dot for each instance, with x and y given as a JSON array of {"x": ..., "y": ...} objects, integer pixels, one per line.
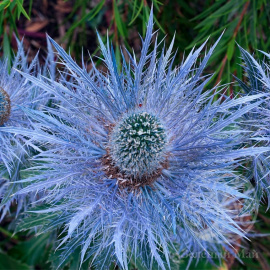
[
  {"x": 120, "y": 24},
  {"x": 9, "y": 263},
  {"x": 230, "y": 49},
  {"x": 21, "y": 10}
]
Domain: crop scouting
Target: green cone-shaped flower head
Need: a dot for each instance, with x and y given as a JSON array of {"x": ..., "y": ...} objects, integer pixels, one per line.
[
  {"x": 4, "y": 106},
  {"x": 138, "y": 144}
]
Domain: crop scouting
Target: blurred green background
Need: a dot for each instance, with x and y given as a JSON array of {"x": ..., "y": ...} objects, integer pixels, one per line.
[{"x": 73, "y": 24}]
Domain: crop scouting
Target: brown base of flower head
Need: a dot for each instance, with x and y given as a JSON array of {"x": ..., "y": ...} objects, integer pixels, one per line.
[
  {"x": 130, "y": 183},
  {"x": 5, "y": 107}
]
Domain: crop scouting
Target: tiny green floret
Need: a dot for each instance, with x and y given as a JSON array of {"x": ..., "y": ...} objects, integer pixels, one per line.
[
  {"x": 138, "y": 144},
  {"x": 4, "y": 106}
]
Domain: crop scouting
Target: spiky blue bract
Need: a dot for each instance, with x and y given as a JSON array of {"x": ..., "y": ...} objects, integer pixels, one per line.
[
  {"x": 16, "y": 91},
  {"x": 258, "y": 121},
  {"x": 112, "y": 214}
]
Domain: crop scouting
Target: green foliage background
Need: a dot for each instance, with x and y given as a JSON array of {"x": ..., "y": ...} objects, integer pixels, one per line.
[{"x": 246, "y": 22}]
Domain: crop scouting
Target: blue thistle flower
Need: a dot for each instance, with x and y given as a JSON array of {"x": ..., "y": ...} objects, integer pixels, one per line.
[
  {"x": 139, "y": 164},
  {"x": 16, "y": 91},
  {"x": 258, "y": 81}
]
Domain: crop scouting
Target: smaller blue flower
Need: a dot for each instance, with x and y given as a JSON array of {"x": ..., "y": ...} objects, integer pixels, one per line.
[
  {"x": 16, "y": 91},
  {"x": 258, "y": 120}
]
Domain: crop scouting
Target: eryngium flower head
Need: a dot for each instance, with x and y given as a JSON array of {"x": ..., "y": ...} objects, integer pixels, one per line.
[
  {"x": 16, "y": 91},
  {"x": 258, "y": 120},
  {"x": 134, "y": 163},
  {"x": 4, "y": 106},
  {"x": 137, "y": 144}
]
